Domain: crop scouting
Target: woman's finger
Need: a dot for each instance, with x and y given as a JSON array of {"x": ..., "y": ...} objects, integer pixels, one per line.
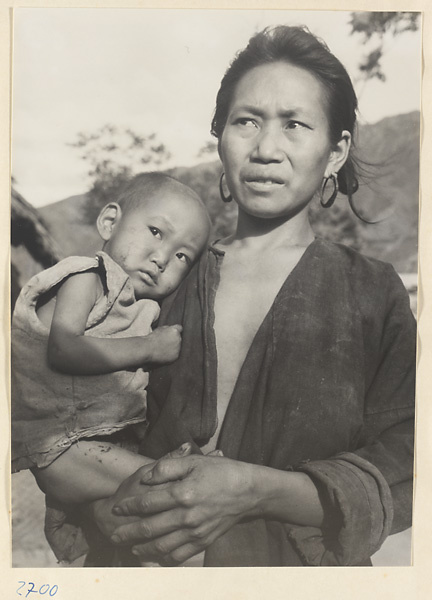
[
  {"x": 215, "y": 453},
  {"x": 177, "y": 547},
  {"x": 169, "y": 469},
  {"x": 181, "y": 555},
  {"x": 150, "y": 501},
  {"x": 151, "y": 527},
  {"x": 184, "y": 450},
  {"x": 158, "y": 549},
  {"x": 168, "y": 545}
]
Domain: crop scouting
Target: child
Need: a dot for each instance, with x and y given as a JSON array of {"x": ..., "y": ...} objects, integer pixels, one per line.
[{"x": 81, "y": 332}]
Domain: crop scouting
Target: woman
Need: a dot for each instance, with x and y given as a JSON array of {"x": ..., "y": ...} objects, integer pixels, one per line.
[{"x": 298, "y": 355}]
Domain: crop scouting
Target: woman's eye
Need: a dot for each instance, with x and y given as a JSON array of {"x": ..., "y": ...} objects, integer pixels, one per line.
[
  {"x": 245, "y": 122},
  {"x": 295, "y": 125},
  {"x": 156, "y": 232},
  {"x": 183, "y": 258}
]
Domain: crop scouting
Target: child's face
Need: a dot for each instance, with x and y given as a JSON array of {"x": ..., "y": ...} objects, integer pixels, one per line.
[{"x": 158, "y": 242}]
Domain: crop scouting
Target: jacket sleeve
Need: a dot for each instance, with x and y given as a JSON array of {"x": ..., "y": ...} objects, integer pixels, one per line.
[{"x": 367, "y": 492}]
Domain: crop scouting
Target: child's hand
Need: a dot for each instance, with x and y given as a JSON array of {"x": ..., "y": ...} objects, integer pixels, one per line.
[{"x": 165, "y": 343}]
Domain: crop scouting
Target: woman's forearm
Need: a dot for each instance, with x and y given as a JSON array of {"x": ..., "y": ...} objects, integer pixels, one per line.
[
  {"x": 87, "y": 471},
  {"x": 285, "y": 496}
]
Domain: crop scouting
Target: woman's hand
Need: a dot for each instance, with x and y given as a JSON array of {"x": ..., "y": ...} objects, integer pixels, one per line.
[
  {"x": 101, "y": 511},
  {"x": 186, "y": 503}
]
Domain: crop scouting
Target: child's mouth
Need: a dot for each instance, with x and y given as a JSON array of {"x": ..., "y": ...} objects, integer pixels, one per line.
[{"x": 148, "y": 278}]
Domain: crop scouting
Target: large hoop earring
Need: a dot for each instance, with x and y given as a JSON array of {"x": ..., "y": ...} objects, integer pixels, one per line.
[
  {"x": 222, "y": 195},
  {"x": 330, "y": 201}
]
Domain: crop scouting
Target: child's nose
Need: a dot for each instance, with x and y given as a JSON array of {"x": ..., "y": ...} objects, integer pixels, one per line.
[{"x": 160, "y": 260}]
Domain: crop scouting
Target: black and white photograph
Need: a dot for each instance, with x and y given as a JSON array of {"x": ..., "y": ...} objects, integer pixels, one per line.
[{"x": 214, "y": 283}]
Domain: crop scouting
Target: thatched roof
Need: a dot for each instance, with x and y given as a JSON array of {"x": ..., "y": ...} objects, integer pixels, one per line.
[{"x": 29, "y": 229}]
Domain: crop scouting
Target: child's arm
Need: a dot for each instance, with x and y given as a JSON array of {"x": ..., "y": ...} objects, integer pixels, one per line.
[{"x": 69, "y": 351}]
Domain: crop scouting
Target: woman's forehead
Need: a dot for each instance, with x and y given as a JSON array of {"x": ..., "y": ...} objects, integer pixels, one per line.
[{"x": 280, "y": 84}]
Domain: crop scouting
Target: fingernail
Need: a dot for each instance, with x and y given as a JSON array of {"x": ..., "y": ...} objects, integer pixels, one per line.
[
  {"x": 116, "y": 510},
  {"x": 135, "y": 552},
  {"x": 146, "y": 477},
  {"x": 184, "y": 448},
  {"x": 115, "y": 539}
]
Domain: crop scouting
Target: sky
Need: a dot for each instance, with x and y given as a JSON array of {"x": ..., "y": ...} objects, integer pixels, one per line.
[{"x": 156, "y": 71}]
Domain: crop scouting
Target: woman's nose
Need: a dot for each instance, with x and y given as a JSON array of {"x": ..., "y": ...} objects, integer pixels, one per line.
[{"x": 269, "y": 145}]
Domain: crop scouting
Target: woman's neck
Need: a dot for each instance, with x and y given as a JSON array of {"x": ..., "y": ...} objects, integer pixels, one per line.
[{"x": 267, "y": 234}]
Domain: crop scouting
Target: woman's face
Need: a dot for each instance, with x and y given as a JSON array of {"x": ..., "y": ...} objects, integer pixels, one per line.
[{"x": 275, "y": 146}]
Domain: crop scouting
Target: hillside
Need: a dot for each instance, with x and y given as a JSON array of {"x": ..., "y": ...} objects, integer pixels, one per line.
[
  {"x": 389, "y": 150},
  {"x": 393, "y": 145}
]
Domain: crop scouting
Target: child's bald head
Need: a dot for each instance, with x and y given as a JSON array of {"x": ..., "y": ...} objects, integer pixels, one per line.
[
  {"x": 155, "y": 231},
  {"x": 150, "y": 186}
]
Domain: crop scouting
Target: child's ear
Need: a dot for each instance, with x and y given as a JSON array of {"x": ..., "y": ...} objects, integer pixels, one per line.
[{"x": 108, "y": 218}]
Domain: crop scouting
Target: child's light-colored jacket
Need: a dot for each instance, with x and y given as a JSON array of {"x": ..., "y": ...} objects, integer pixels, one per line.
[{"x": 52, "y": 410}]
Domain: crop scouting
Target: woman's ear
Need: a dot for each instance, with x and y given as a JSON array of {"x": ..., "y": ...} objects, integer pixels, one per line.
[
  {"x": 108, "y": 218},
  {"x": 339, "y": 154}
]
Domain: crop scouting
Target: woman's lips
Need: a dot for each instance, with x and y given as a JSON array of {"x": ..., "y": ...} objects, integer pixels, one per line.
[{"x": 263, "y": 184}]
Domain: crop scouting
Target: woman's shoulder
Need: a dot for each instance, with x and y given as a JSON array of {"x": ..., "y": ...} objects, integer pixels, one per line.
[
  {"x": 354, "y": 262},
  {"x": 368, "y": 277}
]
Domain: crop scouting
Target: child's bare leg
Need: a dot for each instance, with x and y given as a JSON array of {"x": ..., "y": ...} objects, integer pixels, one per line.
[{"x": 95, "y": 470}]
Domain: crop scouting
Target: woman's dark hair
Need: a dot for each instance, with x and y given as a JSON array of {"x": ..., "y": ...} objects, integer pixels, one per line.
[{"x": 299, "y": 47}]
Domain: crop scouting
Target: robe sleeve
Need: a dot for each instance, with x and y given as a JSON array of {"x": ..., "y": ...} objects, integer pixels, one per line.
[{"x": 367, "y": 492}]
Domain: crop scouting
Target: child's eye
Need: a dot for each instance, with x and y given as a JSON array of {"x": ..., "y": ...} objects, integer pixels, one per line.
[
  {"x": 156, "y": 232},
  {"x": 183, "y": 258}
]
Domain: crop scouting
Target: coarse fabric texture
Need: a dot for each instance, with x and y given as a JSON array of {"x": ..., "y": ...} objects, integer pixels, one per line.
[
  {"x": 326, "y": 388},
  {"x": 52, "y": 410}
]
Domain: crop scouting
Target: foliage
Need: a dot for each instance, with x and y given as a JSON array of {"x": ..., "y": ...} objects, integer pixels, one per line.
[
  {"x": 374, "y": 27},
  {"x": 208, "y": 149},
  {"x": 113, "y": 155}
]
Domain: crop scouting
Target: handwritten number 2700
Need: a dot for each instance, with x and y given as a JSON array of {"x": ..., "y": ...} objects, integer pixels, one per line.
[{"x": 45, "y": 588}]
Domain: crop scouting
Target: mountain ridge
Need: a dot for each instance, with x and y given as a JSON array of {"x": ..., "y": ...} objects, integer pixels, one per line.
[{"x": 389, "y": 153}]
